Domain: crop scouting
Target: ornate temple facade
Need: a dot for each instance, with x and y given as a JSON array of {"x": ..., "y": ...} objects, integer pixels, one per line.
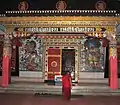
[{"x": 43, "y": 44}]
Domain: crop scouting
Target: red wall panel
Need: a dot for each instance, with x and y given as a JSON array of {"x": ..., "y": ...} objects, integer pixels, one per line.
[{"x": 53, "y": 51}]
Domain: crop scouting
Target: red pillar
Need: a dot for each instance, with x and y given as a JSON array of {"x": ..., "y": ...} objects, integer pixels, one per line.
[
  {"x": 5, "y": 71},
  {"x": 6, "y": 62},
  {"x": 113, "y": 75}
]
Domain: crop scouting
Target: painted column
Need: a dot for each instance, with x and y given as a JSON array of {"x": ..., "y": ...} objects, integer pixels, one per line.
[
  {"x": 113, "y": 74},
  {"x": 6, "y": 79}
]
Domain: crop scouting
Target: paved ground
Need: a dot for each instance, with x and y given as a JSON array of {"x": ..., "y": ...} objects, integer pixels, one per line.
[{"x": 29, "y": 99}]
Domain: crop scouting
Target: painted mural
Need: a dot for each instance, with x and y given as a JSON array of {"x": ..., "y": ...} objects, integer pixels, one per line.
[
  {"x": 30, "y": 54},
  {"x": 92, "y": 55}
]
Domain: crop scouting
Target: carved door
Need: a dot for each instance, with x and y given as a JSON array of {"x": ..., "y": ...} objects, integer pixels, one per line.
[{"x": 54, "y": 59}]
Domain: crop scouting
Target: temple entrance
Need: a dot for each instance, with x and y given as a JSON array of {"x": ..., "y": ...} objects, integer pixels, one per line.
[{"x": 68, "y": 61}]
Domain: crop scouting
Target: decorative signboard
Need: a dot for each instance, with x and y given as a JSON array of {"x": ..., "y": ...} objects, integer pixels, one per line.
[{"x": 59, "y": 29}]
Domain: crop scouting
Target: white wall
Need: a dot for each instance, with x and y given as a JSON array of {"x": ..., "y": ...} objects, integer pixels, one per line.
[
  {"x": 91, "y": 75},
  {"x": 30, "y": 74}
]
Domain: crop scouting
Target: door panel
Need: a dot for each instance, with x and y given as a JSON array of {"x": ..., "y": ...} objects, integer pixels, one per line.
[{"x": 53, "y": 63}]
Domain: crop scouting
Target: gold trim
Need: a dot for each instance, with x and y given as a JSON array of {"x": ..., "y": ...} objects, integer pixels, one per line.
[
  {"x": 60, "y": 18},
  {"x": 53, "y": 55},
  {"x": 52, "y": 21},
  {"x": 53, "y": 72}
]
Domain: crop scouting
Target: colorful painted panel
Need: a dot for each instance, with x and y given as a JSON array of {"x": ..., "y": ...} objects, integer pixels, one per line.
[
  {"x": 92, "y": 55},
  {"x": 30, "y": 54}
]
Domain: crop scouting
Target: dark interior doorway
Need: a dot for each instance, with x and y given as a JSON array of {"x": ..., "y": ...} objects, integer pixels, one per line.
[
  {"x": 68, "y": 61},
  {"x": 106, "y": 70}
]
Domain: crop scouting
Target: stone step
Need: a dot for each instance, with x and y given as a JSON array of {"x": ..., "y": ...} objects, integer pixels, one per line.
[
  {"x": 78, "y": 92},
  {"x": 86, "y": 86},
  {"x": 26, "y": 79},
  {"x": 81, "y": 80},
  {"x": 41, "y": 88},
  {"x": 93, "y": 80}
]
